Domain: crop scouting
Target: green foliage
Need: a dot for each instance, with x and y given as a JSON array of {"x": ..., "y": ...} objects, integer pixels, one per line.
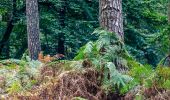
[
  {"x": 107, "y": 43},
  {"x": 142, "y": 76},
  {"x": 131, "y": 63},
  {"x": 129, "y": 86},
  {"x": 19, "y": 75},
  {"x": 147, "y": 77},
  {"x": 163, "y": 72},
  {"x": 87, "y": 51},
  {"x": 141, "y": 73},
  {"x": 144, "y": 21},
  {"x": 78, "y": 98},
  {"x": 166, "y": 84},
  {"x": 14, "y": 87},
  {"x": 104, "y": 53},
  {"x": 80, "y": 19},
  {"x": 162, "y": 39},
  {"x": 4, "y": 6},
  {"x": 146, "y": 38},
  {"x": 117, "y": 79},
  {"x": 139, "y": 97}
]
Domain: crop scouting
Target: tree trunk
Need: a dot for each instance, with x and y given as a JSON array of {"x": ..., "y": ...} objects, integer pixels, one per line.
[
  {"x": 9, "y": 28},
  {"x": 110, "y": 18},
  {"x": 34, "y": 46},
  {"x": 167, "y": 59},
  {"x": 110, "y": 12},
  {"x": 6, "y": 36},
  {"x": 61, "y": 37}
]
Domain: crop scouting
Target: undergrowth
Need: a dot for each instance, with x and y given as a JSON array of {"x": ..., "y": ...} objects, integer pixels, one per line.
[
  {"x": 100, "y": 69},
  {"x": 119, "y": 71},
  {"x": 18, "y": 75},
  {"x": 109, "y": 56}
]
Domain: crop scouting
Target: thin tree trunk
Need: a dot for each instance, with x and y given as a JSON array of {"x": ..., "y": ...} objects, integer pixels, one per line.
[
  {"x": 167, "y": 59},
  {"x": 33, "y": 28},
  {"x": 7, "y": 50},
  {"x": 110, "y": 12},
  {"x": 9, "y": 28},
  {"x": 168, "y": 9},
  {"x": 6, "y": 36},
  {"x": 61, "y": 36}
]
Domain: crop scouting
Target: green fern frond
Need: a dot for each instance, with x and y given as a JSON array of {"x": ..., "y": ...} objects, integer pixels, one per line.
[
  {"x": 116, "y": 78},
  {"x": 88, "y": 48}
]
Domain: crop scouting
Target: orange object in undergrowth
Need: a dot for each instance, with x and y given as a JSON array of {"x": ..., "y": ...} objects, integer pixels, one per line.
[
  {"x": 59, "y": 56},
  {"x": 49, "y": 58},
  {"x": 40, "y": 56}
]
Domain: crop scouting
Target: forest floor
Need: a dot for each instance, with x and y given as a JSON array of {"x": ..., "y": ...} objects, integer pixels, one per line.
[{"x": 63, "y": 80}]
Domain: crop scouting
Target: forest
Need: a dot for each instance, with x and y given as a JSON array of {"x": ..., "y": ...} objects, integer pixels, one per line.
[{"x": 84, "y": 49}]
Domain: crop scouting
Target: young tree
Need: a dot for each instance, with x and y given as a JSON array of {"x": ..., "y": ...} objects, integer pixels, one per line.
[
  {"x": 33, "y": 28},
  {"x": 110, "y": 12}
]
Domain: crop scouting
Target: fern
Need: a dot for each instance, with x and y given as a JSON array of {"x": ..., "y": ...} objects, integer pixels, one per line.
[
  {"x": 19, "y": 75},
  {"x": 166, "y": 84},
  {"x": 14, "y": 88},
  {"x": 116, "y": 78},
  {"x": 142, "y": 74},
  {"x": 80, "y": 54},
  {"x": 87, "y": 51},
  {"x": 88, "y": 47},
  {"x": 108, "y": 52}
]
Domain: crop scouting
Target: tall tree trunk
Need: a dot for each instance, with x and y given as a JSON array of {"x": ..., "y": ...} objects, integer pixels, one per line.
[
  {"x": 7, "y": 50},
  {"x": 34, "y": 46},
  {"x": 6, "y": 36},
  {"x": 9, "y": 28},
  {"x": 167, "y": 59},
  {"x": 169, "y": 19},
  {"x": 110, "y": 16},
  {"x": 61, "y": 37}
]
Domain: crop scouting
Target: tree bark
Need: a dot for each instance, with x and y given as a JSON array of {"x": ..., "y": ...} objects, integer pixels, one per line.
[
  {"x": 110, "y": 18},
  {"x": 110, "y": 12},
  {"x": 6, "y": 35},
  {"x": 61, "y": 36},
  {"x": 167, "y": 59},
  {"x": 33, "y": 28},
  {"x": 9, "y": 28}
]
